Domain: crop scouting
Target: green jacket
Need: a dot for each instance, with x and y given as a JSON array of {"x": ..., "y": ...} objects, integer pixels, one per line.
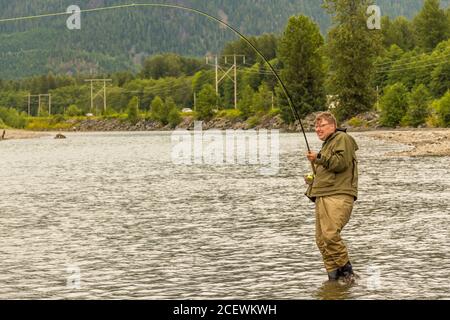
[{"x": 336, "y": 168}]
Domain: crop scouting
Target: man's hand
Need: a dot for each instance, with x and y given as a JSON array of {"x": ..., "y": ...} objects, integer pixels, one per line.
[{"x": 312, "y": 156}]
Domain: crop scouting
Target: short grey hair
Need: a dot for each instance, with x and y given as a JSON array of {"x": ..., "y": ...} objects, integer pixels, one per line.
[{"x": 327, "y": 116}]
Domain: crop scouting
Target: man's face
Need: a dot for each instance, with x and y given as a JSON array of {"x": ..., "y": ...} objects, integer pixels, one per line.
[{"x": 324, "y": 129}]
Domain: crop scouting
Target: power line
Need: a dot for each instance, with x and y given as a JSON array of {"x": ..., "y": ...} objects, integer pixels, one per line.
[
  {"x": 253, "y": 66},
  {"x": 396, "y": 65},
  {"x": 250, "y": 71},
  {"x": 162, "y": 89},
  {"x": 406, "y": 59},
  {"x": 412, "y": 68}
]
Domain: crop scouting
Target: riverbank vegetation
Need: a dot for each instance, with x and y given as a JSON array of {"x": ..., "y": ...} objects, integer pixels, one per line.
[{"x": 401, "y": 72}]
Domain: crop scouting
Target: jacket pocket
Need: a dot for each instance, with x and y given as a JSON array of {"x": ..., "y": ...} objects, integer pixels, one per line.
[{"x": 324, "y": 178}]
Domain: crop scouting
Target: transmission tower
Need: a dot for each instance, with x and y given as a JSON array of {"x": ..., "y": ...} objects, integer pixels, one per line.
[
  {"x": 103, "y": 90},
  {"x": 221, "y": 73},
  {"x": 40, "y": 96}
]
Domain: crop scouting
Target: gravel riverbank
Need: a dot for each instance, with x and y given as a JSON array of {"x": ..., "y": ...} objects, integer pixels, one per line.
[
  {"x": 426, "y": 142},
  {"x": 21, "y": 134}
]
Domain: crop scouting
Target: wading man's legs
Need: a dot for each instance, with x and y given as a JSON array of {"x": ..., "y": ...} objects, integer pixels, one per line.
[{"x": 332, "y": 214}]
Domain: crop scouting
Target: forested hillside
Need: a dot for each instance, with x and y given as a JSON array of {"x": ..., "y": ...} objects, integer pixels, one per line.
[
  {"x": 115, "y": 40},
  {"x": 401, "y": 73}
]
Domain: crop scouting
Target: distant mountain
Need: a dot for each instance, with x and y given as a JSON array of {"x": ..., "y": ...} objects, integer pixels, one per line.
[{"x": 114, "y": 40}]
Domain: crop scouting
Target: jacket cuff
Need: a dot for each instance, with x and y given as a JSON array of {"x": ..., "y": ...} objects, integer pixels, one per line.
[{"x": 319, "y": 159}]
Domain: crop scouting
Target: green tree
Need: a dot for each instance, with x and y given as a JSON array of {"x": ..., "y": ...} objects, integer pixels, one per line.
[
  {"x": 12, "y": 118},
  {"x": 418, "y": 102},
  {"x": 206, "y": 102},
  {"x": 352, "y": 50},
  {"x": 245, "y": 103},
  {"x": 431, "y": 25},
  {"x": 262, "y": 100},
  {"x": 202, "y": 78},
  {"x": 170, "y": 65},
  {"x": 383, "y": 64},
  {"x": 171, "y": 114},
  {"x": 442, "y": 109},
  {"x": 440, "y": 79},
  {"x": 266, "y": 44},
  {"x": 174, "y": 117},
  {"x": 157, "y": 109},
  {"x": 253, "y": 76},
  {"x": 399, "y": 32},
  {"x": 303, "y": 66},
  {"x": 393, "y": 104},
  {"x": 133, "y": 109},
  {"x": 164, "y": 112}
]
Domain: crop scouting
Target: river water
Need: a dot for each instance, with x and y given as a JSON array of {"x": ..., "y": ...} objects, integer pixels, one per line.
[{"x": 110, "y": 216}]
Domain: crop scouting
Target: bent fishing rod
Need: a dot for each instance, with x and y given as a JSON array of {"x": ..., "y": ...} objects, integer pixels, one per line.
[{"x": 173, "y": 6}]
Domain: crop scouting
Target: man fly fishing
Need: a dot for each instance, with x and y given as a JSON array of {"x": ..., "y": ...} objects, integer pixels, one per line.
[{"x": 333, "y": 188}]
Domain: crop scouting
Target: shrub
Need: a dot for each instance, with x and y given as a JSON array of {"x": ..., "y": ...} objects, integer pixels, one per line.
[
  {"x": 10, "y": 117},
  {"x": 442, "y": 107},
  {"x": 73, "y": 111},
  {"x": 230, "y": 114},
  {"x": 417, "y": 112},
  {"x": 133, "y": 109},
  {"x": 274, "y": 112},
  {"x": 393, "y": 105},
  {"x": 356, "y": 122},
  {"x": 207, "y": 100},
  {"x": 174, "y": 118},
  {"x": 158, "y": 111},
  {"x": 253, "y": 121},
  {"x": 57, "y": 119}
]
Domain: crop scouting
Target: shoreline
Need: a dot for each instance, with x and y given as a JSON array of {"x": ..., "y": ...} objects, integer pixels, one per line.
[
  {"x": 19, "y": 134},
  {"x": 426, "y": 142}
]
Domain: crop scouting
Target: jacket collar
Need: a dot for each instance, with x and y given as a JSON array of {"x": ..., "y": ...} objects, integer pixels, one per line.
[{"x": 331, "y": 136}]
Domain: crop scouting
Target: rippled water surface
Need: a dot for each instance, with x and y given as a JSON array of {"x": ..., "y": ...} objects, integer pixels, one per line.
[{"x": 114, "y": 209}]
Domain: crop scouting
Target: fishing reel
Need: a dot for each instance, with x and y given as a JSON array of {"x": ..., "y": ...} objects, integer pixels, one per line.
[{"x": 309, "y": 178}]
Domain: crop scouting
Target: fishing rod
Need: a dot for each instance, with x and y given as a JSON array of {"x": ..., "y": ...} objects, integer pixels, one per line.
[{"x": 174, "y": 6}]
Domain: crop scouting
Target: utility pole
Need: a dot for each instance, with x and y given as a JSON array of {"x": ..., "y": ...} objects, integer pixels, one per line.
[
  {"x": 40, "y": 96},
  {"x": 195, "y": 101},
  {"x": 49, "y": 104},
  {"x": 378, "y": 100},
  {"x": 235, "y": 81},
  {"x": 103, "y": 90},
  {"x": 217, "y": 75},
  {"x": 226, "y": 73},
  {"x": 272, "y": 101},
  {"x": 29, "y": 104}
]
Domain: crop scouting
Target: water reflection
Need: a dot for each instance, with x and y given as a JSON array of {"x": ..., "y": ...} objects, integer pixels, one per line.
[{"x": 333, "y": 290}]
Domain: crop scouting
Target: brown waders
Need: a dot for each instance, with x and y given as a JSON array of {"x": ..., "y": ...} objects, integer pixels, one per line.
[{"x": 332, "y": 214}]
